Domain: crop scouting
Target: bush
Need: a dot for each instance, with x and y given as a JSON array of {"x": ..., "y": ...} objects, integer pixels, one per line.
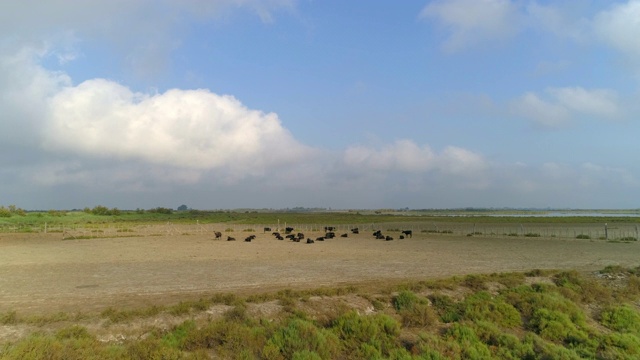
[
  {"x": 301, "y": 337},
  {"x": 448, "y": 309},
  {"x": 481, "y": 306},
  {"x": 619, "y": 346},
  {"x": 583, "y": 236},
  {"x": 470, "y": 345},
  {"x": 405, "y": 300},
  {"x": 621, "y": 318},
  {"x": 365, "y": 336}
]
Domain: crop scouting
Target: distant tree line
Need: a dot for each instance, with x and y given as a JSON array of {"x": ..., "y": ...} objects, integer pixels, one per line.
[{"x": 11, "y": 210}]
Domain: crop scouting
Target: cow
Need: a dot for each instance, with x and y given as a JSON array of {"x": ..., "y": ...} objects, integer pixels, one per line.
[
  {"x": 279, "y": 237},
  {"x": 229, "y": 238},
  {"x": 218, "y": 235},
  {"x": 267, "y": 229},
  {"x": 288, "y": 230},
  {"x": 310, "y": 241},
  {"x": 300, "y": 236},
  {"x": 408, "y": 233},
  {"x": 344, "y": 235},
  {"x": 388, "y": 238},
  {"x": 355, "y": 230},
  {"x": 329, "y": 228},
  {"x": 320, "y": 239},
  {"x": 330, "y": 235},
  {"x": 401, "y": 237},
  {"x": 291, "y": 237},
  {"x": 249, "y": 238},
  {"x": 377, "y": 233}
]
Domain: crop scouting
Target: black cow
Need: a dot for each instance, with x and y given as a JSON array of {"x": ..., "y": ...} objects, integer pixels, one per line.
[
  {"x": 355, "y": 230},
  {"x": 344, "y": 235},
  {"x": 330, "y": 235},
  {"x": 388, "y": 238},
  {"x": 300, "y": 236},
  {"x": 320, "y": 239},
  {"x": 218, "y": 234},
  {"x": 377, "y": 233},
  {"x": 229, "y": 238},
  {"x": 288, "y": 230},
  {"x": 401, "y": 237},
  {"x": 249, "y": 238},
  {"x": 310, "y": 241},
  {"x": 291, "y": 237},
  {"x": 408, "y": 233},
  {"x": 266, "y": 229},
  {"x": 329, "y": 228}
]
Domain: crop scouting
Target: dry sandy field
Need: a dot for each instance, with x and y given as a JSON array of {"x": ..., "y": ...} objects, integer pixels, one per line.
[{"x": 42, "y": 273}]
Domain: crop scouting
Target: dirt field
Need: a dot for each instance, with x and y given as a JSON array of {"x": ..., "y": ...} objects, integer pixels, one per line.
[{"x": 41, "y": 273}]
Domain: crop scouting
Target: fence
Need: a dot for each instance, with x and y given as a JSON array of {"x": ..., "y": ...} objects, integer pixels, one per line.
[{"x": 588, "y": 231}]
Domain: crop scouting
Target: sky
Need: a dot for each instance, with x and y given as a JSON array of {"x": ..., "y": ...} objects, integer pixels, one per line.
[{"x": 226, "y": 104}]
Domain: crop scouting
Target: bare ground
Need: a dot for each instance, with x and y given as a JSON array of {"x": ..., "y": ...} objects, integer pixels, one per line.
[{"x": 41, "y": 273}]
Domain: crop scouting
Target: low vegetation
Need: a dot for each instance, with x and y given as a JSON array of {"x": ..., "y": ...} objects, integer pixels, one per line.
[{"x": 540, "y": 314}]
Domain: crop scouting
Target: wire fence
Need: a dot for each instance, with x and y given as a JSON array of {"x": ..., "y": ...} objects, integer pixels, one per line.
[{"x": 628, "y": 231}]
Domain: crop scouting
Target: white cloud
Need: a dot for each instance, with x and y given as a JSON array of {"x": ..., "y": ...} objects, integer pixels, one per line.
[
  {"x": 24, "y": 88},
  {"x": 540, "y": 112},
  {"x": 406, "y": 156},
  {"x": 597, "y": 102},
  {"x": 403, "y": 155},
  {"x": 473, "y": 21},
  {"x": 143, "y": 32},
  {"x": 560, "y": 19},
  {"x": 193, "y": 129},
  {"x": 619, "y": 27},
  {"x": 561, "y": 106}
]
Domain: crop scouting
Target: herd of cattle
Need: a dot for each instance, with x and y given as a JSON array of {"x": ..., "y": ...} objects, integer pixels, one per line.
[{"x": 329, "y": 234}]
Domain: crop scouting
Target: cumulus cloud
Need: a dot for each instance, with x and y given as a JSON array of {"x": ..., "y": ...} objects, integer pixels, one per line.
[
  {"x": 406, "y": 156},
  {"x": 24, "y": 88},
  {"x": 560, "y": 106},
  {"x": 185, "y": 128},
  {"x": 472, "y": 21},
  {"x": 189, "y": 133}
]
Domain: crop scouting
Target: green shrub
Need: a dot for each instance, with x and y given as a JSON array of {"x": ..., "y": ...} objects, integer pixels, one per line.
[
  {"x": 470, "y": 345},
  {"x": 405, "y": 300},
  {"x": 621, "y": 318},
  {"x": 481, "y": 306},
  {"x": 583, "y": 236},
  {"x": 446, "y": 307},
  {"x": 414, "y": 310},
  {"x": 299, "y": 336},
  {"x": 557, "y": 326},
  {"x": 177, "y": 336},
  {"x": 532, "y": 235},
  {"x": 361, "y": 335},
  {"x": 619, "y": 346}
]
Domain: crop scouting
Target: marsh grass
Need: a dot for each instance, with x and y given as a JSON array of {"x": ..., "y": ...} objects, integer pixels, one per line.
[{"x": 546, "y": 320}]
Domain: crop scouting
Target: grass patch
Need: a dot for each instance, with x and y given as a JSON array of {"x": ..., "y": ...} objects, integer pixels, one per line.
[{"x": 458, "y": 319}]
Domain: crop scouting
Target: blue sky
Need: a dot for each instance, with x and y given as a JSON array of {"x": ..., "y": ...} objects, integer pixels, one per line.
[{"x": 340, "y": 104}]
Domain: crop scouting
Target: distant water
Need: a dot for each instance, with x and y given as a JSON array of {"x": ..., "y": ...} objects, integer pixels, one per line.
[{"x": 564, "y": 214}]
